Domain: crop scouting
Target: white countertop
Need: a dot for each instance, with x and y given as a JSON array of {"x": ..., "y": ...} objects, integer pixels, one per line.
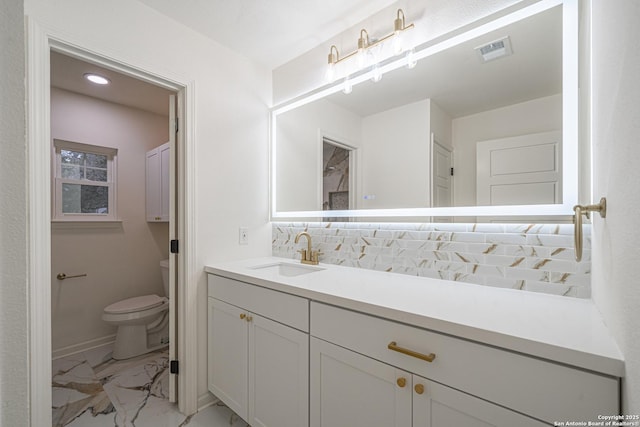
[{"x": 562, "y": 329}]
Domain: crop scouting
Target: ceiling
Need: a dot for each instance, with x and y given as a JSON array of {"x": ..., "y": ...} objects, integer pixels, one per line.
[
  {"x": 267, "y": 31},
  {"x": 455, "y": 79},
  {"x": 67, "y": 73}
]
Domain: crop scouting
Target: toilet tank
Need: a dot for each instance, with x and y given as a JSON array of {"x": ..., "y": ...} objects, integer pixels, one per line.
[{"x": 164, "y": 269}]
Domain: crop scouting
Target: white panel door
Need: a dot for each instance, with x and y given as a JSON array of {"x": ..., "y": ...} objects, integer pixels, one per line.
[
  {"x": 169, "y": 188},
  {"x": 442, "y": 178},
  {"x": 519, "y": 170},
  {"x": 436, "y": 405},
  {"x": 351, "y": 390},
  {"x": 227, "y": 352},
  {"x": 278, "y": 374}
]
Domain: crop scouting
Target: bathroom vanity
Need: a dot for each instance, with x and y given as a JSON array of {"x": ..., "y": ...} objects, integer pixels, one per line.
[{"x": 297, "y": 345}]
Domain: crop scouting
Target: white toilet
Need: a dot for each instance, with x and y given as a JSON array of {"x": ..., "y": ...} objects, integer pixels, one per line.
[{"x": 143, "y": 322}]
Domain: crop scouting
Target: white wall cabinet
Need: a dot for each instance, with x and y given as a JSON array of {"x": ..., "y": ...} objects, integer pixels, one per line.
[
  {"x": 158, "y": 180},
  {"x": 257, "y": 366}
]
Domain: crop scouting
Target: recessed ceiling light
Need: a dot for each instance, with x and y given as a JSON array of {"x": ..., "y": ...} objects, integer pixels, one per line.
[{"x": 97, "y": 79}]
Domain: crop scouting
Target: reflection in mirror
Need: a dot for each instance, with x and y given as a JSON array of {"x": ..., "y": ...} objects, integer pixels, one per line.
[
  {"x": 479, "y": 123},
  {"x": 335, "y": 176}
]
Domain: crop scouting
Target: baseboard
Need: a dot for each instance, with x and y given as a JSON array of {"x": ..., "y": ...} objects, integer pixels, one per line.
[
  {"x": 83, "y": 346},
  {"x": 206, "y": 400}
]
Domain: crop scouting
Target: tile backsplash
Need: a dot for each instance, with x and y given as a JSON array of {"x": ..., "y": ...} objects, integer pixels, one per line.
[{"x": 531, "y": 257}]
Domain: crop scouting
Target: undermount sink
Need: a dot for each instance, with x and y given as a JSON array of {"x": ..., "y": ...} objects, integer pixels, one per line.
[{"x": 287, "y": 269}]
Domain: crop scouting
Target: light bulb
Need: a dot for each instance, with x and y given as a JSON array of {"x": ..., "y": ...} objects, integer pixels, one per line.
[
  {"x": 398, "y": 43},
  {"x": 411, "y": 59},
  {"x": 348, "y": 87},
  {"x": 377, "y": 74},
  {"x": 330, "y": 75},
  {"x": 361, "y": 59}
]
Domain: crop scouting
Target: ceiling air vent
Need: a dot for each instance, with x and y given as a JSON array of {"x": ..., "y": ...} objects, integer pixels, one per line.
[{"x": 495, "y": 49}]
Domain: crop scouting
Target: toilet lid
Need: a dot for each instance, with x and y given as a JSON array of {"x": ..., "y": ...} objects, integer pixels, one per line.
[{"x": 135, "y": 304}]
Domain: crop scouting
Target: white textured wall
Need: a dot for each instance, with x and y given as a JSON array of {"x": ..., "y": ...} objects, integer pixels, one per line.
[
  {"x": 121, "y": 261},
  {"x": 538, "y": 115},
  {"x": 14, "y": 345},
  {"x": 616, "y": 155},
  {"x": 398, "y": 137},
  {"x": 232, "y": 96},
  {"x": 441, "y": 125}
]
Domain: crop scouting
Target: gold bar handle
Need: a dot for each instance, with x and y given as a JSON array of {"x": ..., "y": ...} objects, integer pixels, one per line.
[
  {"x": 426, "y": 357},
  {"x": 580, "y": 210},
  {"x": 62, "y": 276}
]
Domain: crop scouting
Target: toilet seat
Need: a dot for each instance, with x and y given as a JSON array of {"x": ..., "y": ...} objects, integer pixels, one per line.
[{"x": 131, "y": 305}]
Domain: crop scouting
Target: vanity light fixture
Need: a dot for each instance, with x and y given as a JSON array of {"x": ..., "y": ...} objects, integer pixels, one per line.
[
  {"x": 97, "y": 79},
  {"x": 333, "y": 61},
  {"x": 365, "y": 45},
  {"x": 398, "y": 30}
]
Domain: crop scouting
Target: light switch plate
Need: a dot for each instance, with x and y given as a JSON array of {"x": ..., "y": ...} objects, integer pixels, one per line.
[{"x": 243, "y": 236}]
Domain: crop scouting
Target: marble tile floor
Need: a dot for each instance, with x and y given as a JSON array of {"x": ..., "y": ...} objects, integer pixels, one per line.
[{"x": 90, "y": 389}]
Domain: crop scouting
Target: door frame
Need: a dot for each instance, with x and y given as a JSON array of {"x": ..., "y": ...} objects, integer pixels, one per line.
[{"x": 40, "y": 42}]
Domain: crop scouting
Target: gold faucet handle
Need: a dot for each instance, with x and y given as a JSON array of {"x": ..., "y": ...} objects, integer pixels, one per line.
[
  {"x": 315, "y": 255},
  {"x": 303, "y": 252}
]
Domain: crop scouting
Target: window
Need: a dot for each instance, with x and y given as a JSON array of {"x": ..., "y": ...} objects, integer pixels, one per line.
[{"x": 84, "y": 182}]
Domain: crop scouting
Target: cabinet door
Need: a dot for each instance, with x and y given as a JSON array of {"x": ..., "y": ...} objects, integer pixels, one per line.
[
  {"x": 227, "y": 348},
  {"x": 351, "y": 390},
  {"x": 436, "y": 405},
  {"x": 158, "y": 183},
  {"x": 165, "y": 181},
  {"x": 278, "y": 374},
  {"x": 153, "y": 185}
]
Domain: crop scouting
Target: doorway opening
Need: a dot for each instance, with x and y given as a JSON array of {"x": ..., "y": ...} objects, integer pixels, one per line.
[
  {"x": 338, "y": 175},
  {"x": 114, "y": 176},
  {"x": 39, "y": 143}
]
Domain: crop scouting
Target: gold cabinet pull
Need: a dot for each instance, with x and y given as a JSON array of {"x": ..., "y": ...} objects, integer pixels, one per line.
[
  {"x": 426, "y": 357},
  {"x": 242, "y": 316},
  {"x": 249, "y": 319},
  {"x": 401, "y": 382},
  {"x": 419, "y": 388}
]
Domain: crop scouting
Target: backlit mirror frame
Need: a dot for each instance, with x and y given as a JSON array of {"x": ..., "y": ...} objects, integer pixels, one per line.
[{"x": 570, "y": 127}]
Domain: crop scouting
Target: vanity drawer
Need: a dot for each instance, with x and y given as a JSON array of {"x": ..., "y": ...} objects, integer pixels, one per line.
[
  {"x": 284, "y": 308},
  {"x": 539, "y": 388}
]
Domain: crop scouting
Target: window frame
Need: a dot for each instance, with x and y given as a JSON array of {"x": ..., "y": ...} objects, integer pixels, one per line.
[{"x": 57, "y": 214}]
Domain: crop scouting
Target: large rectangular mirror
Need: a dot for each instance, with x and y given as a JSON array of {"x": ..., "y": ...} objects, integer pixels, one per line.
[{"x": 485, "y": 124}]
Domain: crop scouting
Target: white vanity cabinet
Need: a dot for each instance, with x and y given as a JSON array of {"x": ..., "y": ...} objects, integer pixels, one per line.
[
  {"x": 349, "y": 389},
  {"x": 466, "y": 381},
  {"x": 158, "y": 183},
  {"x": 258, "y": 353},
  {"x": 320, "y": 350}
]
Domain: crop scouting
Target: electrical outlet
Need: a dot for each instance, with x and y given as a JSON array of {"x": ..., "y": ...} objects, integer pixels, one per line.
[{"x": 243, "y": 236}]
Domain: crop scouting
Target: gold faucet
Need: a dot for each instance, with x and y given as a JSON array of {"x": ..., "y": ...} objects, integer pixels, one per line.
[{"x": 308, "y": 256}]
